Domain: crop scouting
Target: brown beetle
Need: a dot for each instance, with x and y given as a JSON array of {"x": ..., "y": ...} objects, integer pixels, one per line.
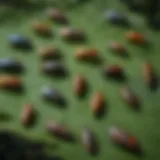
[
  {"x": 27, "y": 115},
  {"x": 114, "y": 71},
  {"x": 149, "y": 75},
  {"x": 97, "y": 103},
  {"x": 124, "y": 139},
  {"x": 49, "y": 52},
  {"x": 56, "y": 15},
  {"x": 86, "y": 54},
  {"x": 129, "y": 97},
  {"x": 136, "y": 38},
  {"x": 59, "y": 131},
  {"x": 41, "y": 28},
  {"x": 79, "y": 85},
  {"x": 117, "y": 48},
  {"x": 71, "y": 34},
  {"x": 89, "y": 142},
  {"x": 10, "y": 82}
]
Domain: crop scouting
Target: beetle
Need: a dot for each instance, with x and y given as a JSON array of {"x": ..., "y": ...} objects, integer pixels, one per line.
[
  {"x": 49, "y": 52},
  {"x": 53, "y": 95},
  {"x": 71, "y": 34},
  {"x": 97, "y": 103},
  {"x": 86, "y": 54},
  {"x": 117, "y": 48},
  {"x": 114, "y": 71},
  {"x": 89, "y": 141},
  {"x": 149, "y": 75},
  {"x": 27, "y": 115},
  {"x": 56, "y": 15},
  {"x": 59, "y": 131},
  {"x": 10, "y": 65},
  {"x": 135, "y": 37},
  {"x": 19, "y": 41},
  {"x": 53, "y": 68},
  {"x": 124, "y": 139},
  {"x": 129, "y": 97},
  {"x": 41, "y": 28},
  {"x": 79, "y": 85},
  {"x": 10, "y": 82}
]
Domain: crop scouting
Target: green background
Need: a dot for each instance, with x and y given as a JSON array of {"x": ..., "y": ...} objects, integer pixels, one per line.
[{"x": 89, "y": 17}]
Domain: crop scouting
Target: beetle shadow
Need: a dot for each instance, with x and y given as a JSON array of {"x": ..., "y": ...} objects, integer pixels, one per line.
[
  {"x": 95, "y": 146},
  {"x": 154, "y": 85},
  {"x": 85, "y": 92},
  {"x": 16, "y": 90},
  {"x": 102, "y": 111},
  {"x": 4, "y": 117}
]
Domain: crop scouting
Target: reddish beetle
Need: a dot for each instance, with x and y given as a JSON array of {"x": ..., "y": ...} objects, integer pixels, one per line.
[
  {"x": 123, "y": 139},
  {"x": 129, "y": 97},
  {"x": 97, "y": 103},
  {"x": 79, "y": 85},
  {"x": 136, "y": 38},
  {"x": 27, "y": 115}
]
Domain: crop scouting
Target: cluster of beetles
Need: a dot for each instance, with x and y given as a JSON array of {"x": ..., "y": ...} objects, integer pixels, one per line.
[{"x": 53, "y": 67}]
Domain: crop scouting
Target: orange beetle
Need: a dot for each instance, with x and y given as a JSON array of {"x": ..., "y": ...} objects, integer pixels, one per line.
[
  {"x": 41, "y": 28},
  {"x": 97, "y": 103},
  {"x": 10, "y": 82},
  {"x": 27, "y": 115},
  {"x": 149, "y": 75},
  {"x": 79, "y": 85},
  {"x": 123, "y": 139},
  {"x": 129, "y": 97},
  {"x": 86, "y": 54},
  {"x": 136, "y": 38}
]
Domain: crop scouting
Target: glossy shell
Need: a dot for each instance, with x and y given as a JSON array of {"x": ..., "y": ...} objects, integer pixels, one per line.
[
  {"x": 136, "y": 38},
  {"x": 10, "y": 65},
  {"x": 10, "y": 82},
  {"x": 49, "y": 52},
  {"x": 27, "y": 115},
  {"x": 114, "y": 71},
  {"x": 79, "y": 85},
  {"x": 41, "y": 28},
  {"x": 97, "y": 103},
  {"x": 56, "y": 15},
  {"x": 88, "y": 141},
  {"x": 86, "y": 54},
  {"x": 53, "y": 68},
  {"x": 19, "y": 41},
  {"x": 71, "y": 34},
  {"x": 52, "y": 95},
  {"x": 59, "y": 131},
  {"x": 124, "y": 139},
  {"x": 129, "y": 97}
]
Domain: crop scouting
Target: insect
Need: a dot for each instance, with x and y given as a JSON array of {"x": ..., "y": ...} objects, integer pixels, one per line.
[
  {"x": 79, "y": 85},
  {"x": 19, "y": 41},
  {"x": 53, "y": 68},
  {"x": 71, "y": 34},
  {"x": 56, "y": 15},
  {"x": 114, "y": 71},
  {"x": 10, "y": 82},
  {"x": 117, "y": 48},
  {"x": 59, "y": 131},
  {"x": 149, "y": 75},
  {"x": 53, "y": 95},
  {"x": 49, "y": 52},
  {"x": 136, "y": 38},
  {"x": 27, "y": 115},
  {"x": 129, "y": 97},
  {"x": 87, "y": 54},
  {"x": 89, "y": 142},
  {"x": 124, "y": 139},
  {"x": 115, "y": 18},
  {"x": 10, "y": 65},
  {"x": 97, "y": 103},
  {"x": 41, "y": 29}
]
